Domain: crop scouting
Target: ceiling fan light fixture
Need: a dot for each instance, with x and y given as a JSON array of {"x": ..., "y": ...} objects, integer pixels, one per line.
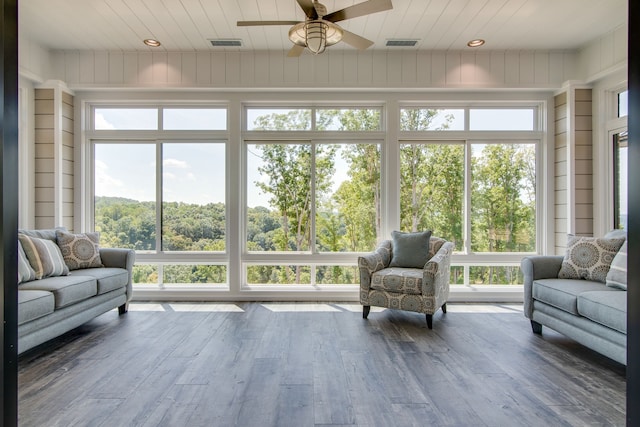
[{"x": 315, "y": 35}]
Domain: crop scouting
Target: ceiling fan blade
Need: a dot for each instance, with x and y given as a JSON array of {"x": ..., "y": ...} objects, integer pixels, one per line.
[
  {"x": 296, "y": 50},
  {"x": 360, "y": 9},
  {"x": 254, "y": 23},
  {"x": 308, "y": 8},
  {"x": 355, "y": 40}
]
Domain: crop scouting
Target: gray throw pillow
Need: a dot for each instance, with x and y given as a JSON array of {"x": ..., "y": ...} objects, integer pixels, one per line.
[
  {"x": 44, "y": 256},
  {"x": 589, "y": 258},
  {"x": 617, "y": 275},
  {"x": 410, "y": 250},
  {"x": 79, "y": 250}
]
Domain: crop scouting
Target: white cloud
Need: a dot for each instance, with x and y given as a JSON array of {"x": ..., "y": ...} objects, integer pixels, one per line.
[
  {"x": 105, "y": 183},
  {"x": 102, "y": 123},
  {"x": 169, "y": 175},
  {"x": 175, "y": 163}
]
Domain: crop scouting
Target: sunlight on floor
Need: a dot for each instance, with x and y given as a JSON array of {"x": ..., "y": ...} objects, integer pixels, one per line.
[
  {"x": 308, "y": 307},
  {"x": 187, "y": 307}
]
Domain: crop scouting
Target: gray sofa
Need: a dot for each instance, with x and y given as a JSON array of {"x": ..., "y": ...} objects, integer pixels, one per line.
[
  {"x": 51, "y": 306},
  {"x": 587, "y": 311}
]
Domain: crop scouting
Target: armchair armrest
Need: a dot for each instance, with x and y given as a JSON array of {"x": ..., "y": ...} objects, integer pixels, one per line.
[
  {"x": 537, "y": 267},
  {"x": 372, "y": 262},
  {"x": 120, "y": 258},
  {"x": 437, "y": 273}
]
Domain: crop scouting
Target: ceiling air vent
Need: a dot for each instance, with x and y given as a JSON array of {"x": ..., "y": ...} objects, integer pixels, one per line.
[
  {"x": 226, "y": 42},
  {"x": 401, "y": 42}
]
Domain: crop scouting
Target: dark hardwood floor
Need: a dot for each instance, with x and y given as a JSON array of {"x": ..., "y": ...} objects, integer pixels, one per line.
[{"x": 298, "y": 364}]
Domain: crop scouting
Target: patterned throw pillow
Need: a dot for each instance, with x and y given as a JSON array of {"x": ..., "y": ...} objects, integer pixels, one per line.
[
  {"x": 44, "y": 256},
  {"x": 410, "y": 250},
  {"x": 617, "y": 276},
  {"x": 25, "y": 271},
  {"x": 589, "y": 258},
  {"x": 79, "y": 250}
]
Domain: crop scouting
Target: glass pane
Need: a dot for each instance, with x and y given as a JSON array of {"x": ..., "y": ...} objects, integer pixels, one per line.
[
  {"x": 278, "y": 197},
  {"x": 495, "y": 275},
  {"x": 194, "y": 119},
  {"x": 352, "y": 119},
  {"x": 278, "y": 119},
  {"x": 125, "y": 118},
  {"x": 190, "y": 274},
  {"x": 503, "y": 199},
  {"x": 432, "y": 190},
  {"x": 278, "y": 274},
  {"x": 623, "y": 101},
  {"x": 457, "y": 275},
  {"x": 337, "y": 275},
  {"x": 620, "y": 190},
  {"x": 501, "y": 119},
  {"x": 145, "y": 274},
  {"x": 418, "y": 119},
  {"x": 347, "y": 197},
  {"x": 125, "y": 195},
  {"x": 193, "y": 192}
]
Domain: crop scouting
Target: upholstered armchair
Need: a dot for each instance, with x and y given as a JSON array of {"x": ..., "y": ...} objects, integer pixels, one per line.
[{"x": 423, "y": 290}]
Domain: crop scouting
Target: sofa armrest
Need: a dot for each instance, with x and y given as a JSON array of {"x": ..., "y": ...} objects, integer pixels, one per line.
[
  {"x": 437, "y": 274},
  {"x": 120, "y": 258},
  {"x": 372, "y": 262},
  {"x": 537, "y": 267}
]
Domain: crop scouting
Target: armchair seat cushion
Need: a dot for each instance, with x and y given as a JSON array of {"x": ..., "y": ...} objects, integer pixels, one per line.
[
  {"x": 399, "y": 280},
  {"x": 563, "y": 293}
]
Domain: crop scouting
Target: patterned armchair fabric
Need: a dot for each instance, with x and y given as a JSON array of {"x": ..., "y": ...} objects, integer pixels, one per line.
[{"x": 421, "y": 290}]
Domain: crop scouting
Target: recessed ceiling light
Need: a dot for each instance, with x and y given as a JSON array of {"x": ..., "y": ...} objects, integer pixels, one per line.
[
  {"x": 152, "y": 42},
  {"x": 475, "y": 43}
]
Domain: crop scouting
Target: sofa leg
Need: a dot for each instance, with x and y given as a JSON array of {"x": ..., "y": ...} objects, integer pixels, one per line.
[
  {"x": 536, "y": 327},
  {"x": 430, "y": 321},
  {"x": 123, "y": 308},
  {"x": 444, "y": 307},
  {"x": 365, "y": 311}
]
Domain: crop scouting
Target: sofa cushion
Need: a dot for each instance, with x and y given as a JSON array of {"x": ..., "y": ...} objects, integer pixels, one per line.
[
  {"x": 34, "y": 304},
  {"x": 108, "y": 278},
  {"x": 563, "y": 293},
  {"x": 617, "y": 275},
  {"x": 79, "y": 250},
  {"x": 589, "y": 258},
  {"x": 44, "y": 256},
  {"x": 410, "y": 250},
  {"x": 25, "y": 271},
  {"x": 607, "y": 307},
  {"x": 402, "y": 280},
  {"x": 66, "y": 289}
]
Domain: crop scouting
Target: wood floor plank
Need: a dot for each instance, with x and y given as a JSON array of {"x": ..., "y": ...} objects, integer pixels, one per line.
[{"x": 299, "y": 364}]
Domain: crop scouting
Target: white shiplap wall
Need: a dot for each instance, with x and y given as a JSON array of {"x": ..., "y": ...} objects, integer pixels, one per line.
[{"x": 337, "y": 69}]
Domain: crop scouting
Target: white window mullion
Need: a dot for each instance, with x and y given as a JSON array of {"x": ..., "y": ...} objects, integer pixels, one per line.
[
  {"x": 467, "y": 202},
  {"x": 159, "y": 200}
]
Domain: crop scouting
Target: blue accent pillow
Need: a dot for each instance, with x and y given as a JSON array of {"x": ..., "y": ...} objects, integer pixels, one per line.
[{"x": 410, "y": 250}]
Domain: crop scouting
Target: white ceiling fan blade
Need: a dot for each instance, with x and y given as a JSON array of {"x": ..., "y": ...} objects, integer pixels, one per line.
[
  {"x": 308, "y": 8},
  {"x": 355, "y": 40},
  {"x": 296, "y": 50},
  {"x": 360, "y": 9}
]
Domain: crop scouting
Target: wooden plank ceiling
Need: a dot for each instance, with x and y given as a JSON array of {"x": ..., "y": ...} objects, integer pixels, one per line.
[{"x": 186, "y": 25}]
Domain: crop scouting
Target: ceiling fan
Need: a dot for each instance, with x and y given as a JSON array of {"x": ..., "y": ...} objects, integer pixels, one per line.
[{"x": 320, "y": 30}]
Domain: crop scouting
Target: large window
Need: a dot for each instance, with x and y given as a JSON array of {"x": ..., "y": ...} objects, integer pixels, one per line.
[
  {"x": 312, "y": 196},
  {"x": 163, "y": 196},
  {"x": 478, "y": 192}
]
